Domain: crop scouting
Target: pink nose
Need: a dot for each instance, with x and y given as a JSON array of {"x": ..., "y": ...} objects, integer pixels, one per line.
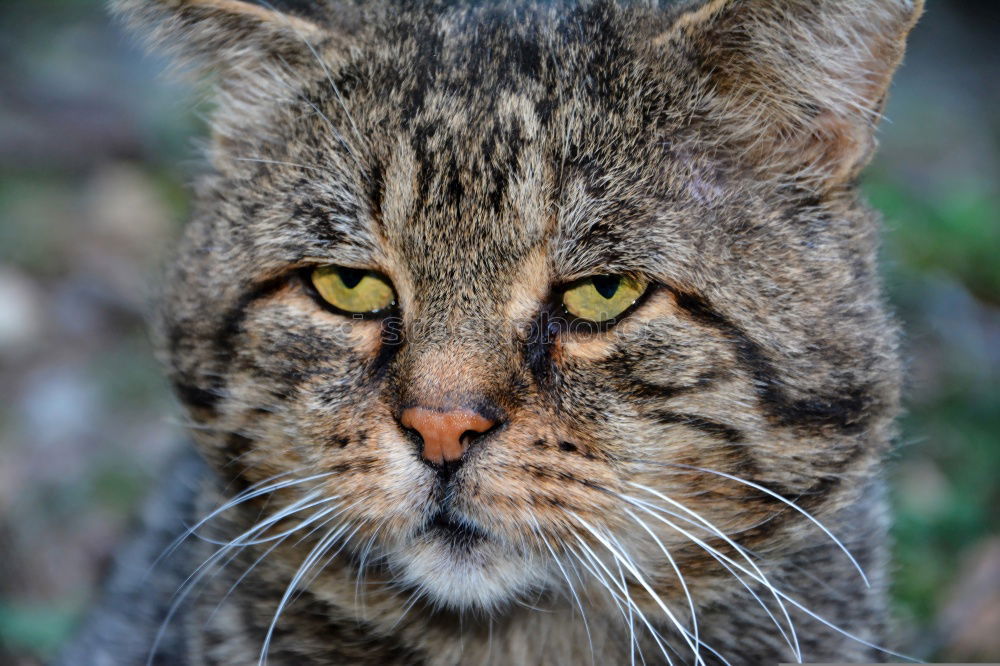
[{"x": 446, "y": 434}]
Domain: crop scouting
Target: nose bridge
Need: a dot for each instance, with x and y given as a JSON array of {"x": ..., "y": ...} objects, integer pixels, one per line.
[
  {"x": 451, "y": 393},
  {"x": 451, "y": 375},
  {"x": 460, "y": 348},
  {"x": 458, "y": 309},
  {"x": 456, "y": 327}
]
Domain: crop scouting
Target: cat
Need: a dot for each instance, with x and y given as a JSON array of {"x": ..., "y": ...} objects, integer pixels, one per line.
[{"x": 523, "y": 334}]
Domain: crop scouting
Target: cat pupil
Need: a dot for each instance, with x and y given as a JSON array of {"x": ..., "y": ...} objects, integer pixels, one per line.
[
  {"x": 607, "y": 285},
  {"x": 350, "y": 276}
]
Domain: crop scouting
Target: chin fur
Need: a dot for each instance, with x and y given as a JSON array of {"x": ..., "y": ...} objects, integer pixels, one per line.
[{"x": 466, "y": 575}]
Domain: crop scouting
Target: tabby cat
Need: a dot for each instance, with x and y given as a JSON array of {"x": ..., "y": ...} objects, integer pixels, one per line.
[{"x": 520, "y": 333}]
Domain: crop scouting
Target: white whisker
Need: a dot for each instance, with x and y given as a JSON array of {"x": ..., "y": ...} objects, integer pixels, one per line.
[
  {"x": 362, "y": 564},
  {"x": 202, "y": 570},
  {"x": 258, "y": 489},
  {"x": 572, "y": 589},
  {"x": 415, "y": 596},
  {"x": 232, "y": 588},
  {"x": 677, "y": 571},
  {"x": 318, "y": 551},
  {"x": 792, "y": 639},
  {"x": 791, "y": 504},
  {"x": 309, "y": 581},
  {"x": 277, "y": 518},
  {"x": 792, "y": 643},
  {"x": 794, "y": 602},
  {"x": 625, "y": 597},
  {"x": 255, "y": 490},
  {"x": 632, "y": 642},
  {"x": 634, "y": 571}
]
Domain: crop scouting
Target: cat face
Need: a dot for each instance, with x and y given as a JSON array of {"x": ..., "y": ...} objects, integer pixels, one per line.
[{"x": 475, "y": 173}]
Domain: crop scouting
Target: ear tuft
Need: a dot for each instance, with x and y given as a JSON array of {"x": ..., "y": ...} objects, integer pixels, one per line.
[
  {"x": 796, "y": 86},
  {"x": 226, "y": 35}
]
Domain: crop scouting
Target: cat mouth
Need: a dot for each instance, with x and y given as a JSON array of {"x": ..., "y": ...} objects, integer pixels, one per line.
[{"x": 453, "y": 529}]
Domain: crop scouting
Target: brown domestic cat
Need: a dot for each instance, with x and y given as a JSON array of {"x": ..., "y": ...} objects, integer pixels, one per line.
[{"x": 524, "y": 334}]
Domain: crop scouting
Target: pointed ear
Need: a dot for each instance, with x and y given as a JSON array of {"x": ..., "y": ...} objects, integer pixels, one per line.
[
  {"x": 796, "y": 87},
  {"x": 225, "y": 36}
]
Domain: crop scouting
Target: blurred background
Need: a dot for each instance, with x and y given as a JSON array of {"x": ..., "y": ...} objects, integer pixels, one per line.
[{"x": 95, "y": 152}]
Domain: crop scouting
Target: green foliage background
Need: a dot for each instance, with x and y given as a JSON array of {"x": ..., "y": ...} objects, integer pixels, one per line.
[{"x": 90, "y": 136}]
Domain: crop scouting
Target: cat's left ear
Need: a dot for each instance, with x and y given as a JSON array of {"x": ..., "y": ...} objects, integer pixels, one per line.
[
  {"x": 795, "y": 87},
  {"x": 228, "y": 38}
]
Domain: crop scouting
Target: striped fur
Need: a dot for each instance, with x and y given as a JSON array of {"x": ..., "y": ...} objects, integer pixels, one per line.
[{"x": 480, "y": 157}]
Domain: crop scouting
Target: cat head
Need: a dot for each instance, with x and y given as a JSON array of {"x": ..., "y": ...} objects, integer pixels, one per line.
[{"x": 507, "y": 288}]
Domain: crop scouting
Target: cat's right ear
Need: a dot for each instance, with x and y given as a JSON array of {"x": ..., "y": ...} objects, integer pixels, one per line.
[
  {"x": 229, "y": 38},
  {"x": 794, "y": 88}
]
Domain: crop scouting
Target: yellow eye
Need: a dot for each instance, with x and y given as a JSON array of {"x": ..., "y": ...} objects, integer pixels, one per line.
[
  {"x": 353, "y": 290},
  {"x": 603, "y": 297}
]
